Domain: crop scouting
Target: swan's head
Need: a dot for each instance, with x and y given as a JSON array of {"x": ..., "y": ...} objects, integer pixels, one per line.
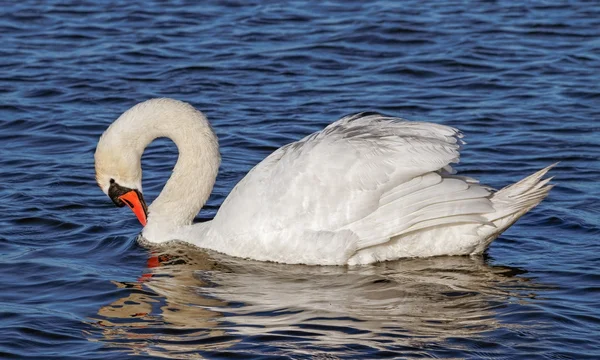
[{"x": 119, "y": 172}]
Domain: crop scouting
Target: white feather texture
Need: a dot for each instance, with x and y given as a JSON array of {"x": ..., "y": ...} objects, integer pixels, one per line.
[{"x": 366, "y": 188}]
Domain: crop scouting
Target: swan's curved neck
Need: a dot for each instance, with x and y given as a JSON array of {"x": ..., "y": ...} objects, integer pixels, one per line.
[{"x": 196, "y": 169}]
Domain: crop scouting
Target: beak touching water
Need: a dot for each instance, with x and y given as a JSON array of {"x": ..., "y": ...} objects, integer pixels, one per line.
[{"x": 135, "y": 200}]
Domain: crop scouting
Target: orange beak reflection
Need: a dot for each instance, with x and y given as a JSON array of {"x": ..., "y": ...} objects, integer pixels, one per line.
[{"x": 136, "y": 203}]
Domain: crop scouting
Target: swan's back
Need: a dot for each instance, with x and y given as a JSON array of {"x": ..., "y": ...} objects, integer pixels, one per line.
[
  {"x": 366, "y": 176},
  {"x": 336, "y": 176}
]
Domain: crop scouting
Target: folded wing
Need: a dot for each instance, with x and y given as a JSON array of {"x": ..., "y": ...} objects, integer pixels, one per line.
[{"x": 371, "y": 175}]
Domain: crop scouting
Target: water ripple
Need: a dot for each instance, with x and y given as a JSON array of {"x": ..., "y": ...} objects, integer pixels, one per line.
[{"x": 520, "y": 79}]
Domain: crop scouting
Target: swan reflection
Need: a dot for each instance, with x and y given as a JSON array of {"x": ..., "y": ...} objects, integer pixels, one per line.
[{"x": 192, "y": 301}]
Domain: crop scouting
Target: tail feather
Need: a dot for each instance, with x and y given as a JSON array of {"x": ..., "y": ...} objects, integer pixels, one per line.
[
  {"x": 522, "y": 196},
  {"x": 512, "y": 202},
  {"x": 528, "y": 182}
]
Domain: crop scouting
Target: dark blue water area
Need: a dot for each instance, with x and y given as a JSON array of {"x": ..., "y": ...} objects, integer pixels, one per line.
[{"x": 520, "y": 79}]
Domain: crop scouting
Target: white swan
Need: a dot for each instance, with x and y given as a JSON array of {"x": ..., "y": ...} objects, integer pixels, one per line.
[{"x": 366, "y": 188}]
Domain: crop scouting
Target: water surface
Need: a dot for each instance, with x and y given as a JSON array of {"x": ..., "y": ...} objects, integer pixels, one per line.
[{"x": 520, "y": 80}]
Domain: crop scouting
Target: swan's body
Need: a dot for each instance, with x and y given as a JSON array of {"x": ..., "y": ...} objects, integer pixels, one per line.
[{"x": 366, "y": 188}]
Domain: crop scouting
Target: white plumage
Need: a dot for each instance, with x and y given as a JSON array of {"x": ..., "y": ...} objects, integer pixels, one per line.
[{"x": 366, "y": 188}]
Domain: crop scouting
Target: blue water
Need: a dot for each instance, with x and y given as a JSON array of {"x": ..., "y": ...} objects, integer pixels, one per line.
[{"x": 521, "y": 79}]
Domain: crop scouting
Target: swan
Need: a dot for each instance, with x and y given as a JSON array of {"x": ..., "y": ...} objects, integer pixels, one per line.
[{"x": 367, "y": 188}]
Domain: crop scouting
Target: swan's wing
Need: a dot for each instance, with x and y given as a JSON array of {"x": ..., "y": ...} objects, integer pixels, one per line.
[{"x": 355, "y": 173}]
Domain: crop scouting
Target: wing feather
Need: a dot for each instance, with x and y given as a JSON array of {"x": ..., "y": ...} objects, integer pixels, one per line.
[{"x": 360, "y": 172}]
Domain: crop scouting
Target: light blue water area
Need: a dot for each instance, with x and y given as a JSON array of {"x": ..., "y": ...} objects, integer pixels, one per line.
[{"x": 520, "y": 79}]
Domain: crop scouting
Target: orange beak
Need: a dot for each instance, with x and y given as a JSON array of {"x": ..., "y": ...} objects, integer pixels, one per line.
[{"x": 136, "y": 203}]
